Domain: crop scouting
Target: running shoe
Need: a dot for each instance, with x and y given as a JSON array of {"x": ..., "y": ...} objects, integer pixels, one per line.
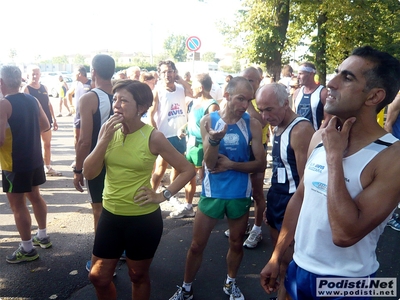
[
  {"x": 43, "y": 243},
  {"x": 233, "y": 291},
  {"x": 20, "y": 255},
  {"x": 52, "y": 172},
  {"x": 253, "y": 239},
  {"x": 248, "y": 230},
  {"x": 182, "y": 212},
  {"x": 181, "y": 294},
  {"x": 394, "y": 222}
]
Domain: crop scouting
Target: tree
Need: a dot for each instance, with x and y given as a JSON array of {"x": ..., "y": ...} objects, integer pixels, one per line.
[
  {"x": 12, "y": 54},
  {"x": 60, "y": 59},
  {"x": 208, "y": 56},
  {"x": 175, "y": 47},
  {"x": 268, "y": 31},
  {"x": 260, "y": 32},
  {"x": 79, "y": 59},
  {"x": 335, "y": 27}
]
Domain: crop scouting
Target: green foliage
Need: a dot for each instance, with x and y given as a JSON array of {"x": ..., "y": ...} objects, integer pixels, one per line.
[
  {"x": 260, "y": 32},
  {"x": 175, "y": 46},
  {"x": 60, "y": 59},
  {"x": 12, "y": 53},
  {"x": 235, "y": 67},
  {"x": 348, "y": 24},
  {"x": 265, "y": 32},
  {"x": 208, "y": 56},
  {"x": 79, "y": 59}
]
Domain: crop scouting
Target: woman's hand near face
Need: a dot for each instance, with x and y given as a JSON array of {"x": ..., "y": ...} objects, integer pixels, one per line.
[{"x": 110, "y": 127}]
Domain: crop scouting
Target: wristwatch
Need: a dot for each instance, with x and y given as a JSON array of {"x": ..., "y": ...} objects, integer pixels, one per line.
[
  {"x": 167, "y": 194},
  {"x": 77, "y": 171}
]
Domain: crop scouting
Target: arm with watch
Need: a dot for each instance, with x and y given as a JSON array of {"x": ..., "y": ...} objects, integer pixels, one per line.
[
  {"x": 88, "y": 105},
  {"x": 211, "y": 140},
  {"x": 159, "y": 145}
]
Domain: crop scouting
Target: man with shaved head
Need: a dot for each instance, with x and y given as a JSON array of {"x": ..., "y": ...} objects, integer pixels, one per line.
[{"x": 226, "y": 135}]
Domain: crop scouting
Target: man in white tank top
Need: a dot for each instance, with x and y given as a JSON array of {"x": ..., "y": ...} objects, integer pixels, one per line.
[
  {"x": 169, "y": 114},
  {"x": 338, "y": 213}
]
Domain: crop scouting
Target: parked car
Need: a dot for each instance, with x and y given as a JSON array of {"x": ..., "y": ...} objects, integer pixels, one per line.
[{"x": 52, "y": 83}]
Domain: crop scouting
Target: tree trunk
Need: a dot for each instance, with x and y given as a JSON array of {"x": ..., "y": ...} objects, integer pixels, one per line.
[
  {"x": 320, "y": 55},
  {"x": 281, "y": 21}
]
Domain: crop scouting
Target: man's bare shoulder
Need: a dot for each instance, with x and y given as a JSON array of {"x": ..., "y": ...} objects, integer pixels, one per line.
[
  {"x": 388, "y": 155},
  {"x": 88, "y": 103},
  {"x": 382, "y": 167},
  {"x": 255, "y": 124},
  {"x": 302, "y": 126},
  {"x": 4, "y": 103},
  {"x": 88, "y": 99}
]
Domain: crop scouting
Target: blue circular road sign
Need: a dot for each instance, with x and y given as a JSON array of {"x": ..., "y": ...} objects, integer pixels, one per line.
[{"x": 193, "y": 43}]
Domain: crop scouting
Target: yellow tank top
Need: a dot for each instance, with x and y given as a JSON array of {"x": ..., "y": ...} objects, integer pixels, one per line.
[
  {"x": 129, "y": 164},
  {"x": 380, "y": 117},
  {"x": 265, "y": 130}
]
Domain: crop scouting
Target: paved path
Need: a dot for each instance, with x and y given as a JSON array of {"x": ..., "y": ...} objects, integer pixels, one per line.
[{"x": 60, "y": 272}]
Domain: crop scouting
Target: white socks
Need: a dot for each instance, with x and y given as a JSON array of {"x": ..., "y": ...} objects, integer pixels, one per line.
[
  {"x": 27, "y": 245},
  {"x": 230, "y": 280},
  {"x": 41, "y": 233},
  {"x": 187, "y": 286},
  {"x": 256, "y": 228}
]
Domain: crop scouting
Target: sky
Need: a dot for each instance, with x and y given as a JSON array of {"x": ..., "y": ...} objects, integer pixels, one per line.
[{"x": 52, "y": 28}]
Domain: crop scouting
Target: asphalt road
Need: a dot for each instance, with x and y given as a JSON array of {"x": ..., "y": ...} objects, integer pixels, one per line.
[{"x": 60, "y": 272}]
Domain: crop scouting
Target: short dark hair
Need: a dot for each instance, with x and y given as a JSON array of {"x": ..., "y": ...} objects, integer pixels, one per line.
[
  {"x": 82, "y": 70},
  {"x": 205, "y": 81},
  {"x": 385, "y": 73},
  {"x": 140, "y": 92},
  {"x": 287, "y": 71},
  {"x": 234, "y": 82},
  {"x": 104, "y": 65},
  {"x": 144, "y": 76},
  {"x": 169, "y": 63}
]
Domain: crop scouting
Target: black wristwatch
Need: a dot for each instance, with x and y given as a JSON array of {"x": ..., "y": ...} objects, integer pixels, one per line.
[
  {"x": 77, "y": 171},
  {"x": 213, "y": 142},
  {"x": 167, "y": 194}
]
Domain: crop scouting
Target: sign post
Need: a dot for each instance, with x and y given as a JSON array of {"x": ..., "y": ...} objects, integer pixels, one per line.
[{"x": 193, "y": 44}]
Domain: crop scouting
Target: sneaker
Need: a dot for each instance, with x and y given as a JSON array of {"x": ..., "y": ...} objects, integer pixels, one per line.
[
  {"x": 52, "y": 172},
  {"x": 69, "y": 114},
  {"x": 253, "y": 239},
  {"x": 21, "y": 255},
  {"x": 394, "y": 222},
  {"x": 43, "y": 243},
  {"x": 174, "y": 201},
  {"x": 89, "y": 266},
  {"x": 182, "y": 212},
  {"x": 59, "y": 115},
  {"x": 248, "y": 229},
  {"x": 233, "y": 291},
  {"x": 181, "y": 294}
]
